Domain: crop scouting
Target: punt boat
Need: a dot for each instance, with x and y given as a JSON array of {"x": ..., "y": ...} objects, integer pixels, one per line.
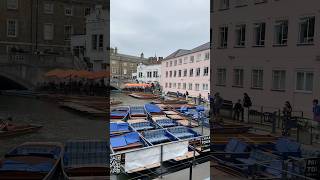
[
  {"x": 153, "y": 110},
  {"x": 85, "y": 159},
  {"x": 137, "y": 112},
  {"x": 32, "y": 160},
  {"x": 131, "y": 140},
  {"x": 121, "y": 112},
  {"x": 143, "y": 96},
  {"x": 17, "y": 129}
]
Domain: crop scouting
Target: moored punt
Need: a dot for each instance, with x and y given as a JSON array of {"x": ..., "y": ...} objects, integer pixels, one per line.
[
  {"x": 153, "y": 110},
  {"x": 120, "y": 112},
  {"x": 142, "y": 125},
  {"x": 15, "y": 129},
  {"x": 164, "y": 121},
  {"x": 137, "y": 112},
  {"x": 83, "y": 109},
  {"x": 131, "y": 140},
  {"x": 117, "y": 128},
  {"x": 170, "y": 101},
  {"x": 85, "y": 160},
  {"x": 182, "y": 132},
  {"x": 158, "y": 136},
  {"x": 143, "y": 96},
  {"x": 31, "y": 160}
]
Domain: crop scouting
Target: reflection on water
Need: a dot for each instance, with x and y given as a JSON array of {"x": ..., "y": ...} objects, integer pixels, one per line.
[{"x": 59, "y": 125}]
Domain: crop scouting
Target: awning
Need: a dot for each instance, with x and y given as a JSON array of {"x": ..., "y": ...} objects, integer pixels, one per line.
[{"x": 137, "y": 85}]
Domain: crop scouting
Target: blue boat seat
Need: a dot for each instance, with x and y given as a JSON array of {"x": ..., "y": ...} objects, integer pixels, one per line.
[
  {"x": 142, "y": 126},
  {"x": 166, "y": 122},
  {"x": 182, "y": 132},
  {"x": 156, "y": 136}
]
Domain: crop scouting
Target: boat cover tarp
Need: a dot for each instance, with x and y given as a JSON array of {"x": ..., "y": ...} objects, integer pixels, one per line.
[
  {"x": 124, "y": 140},
  {"x": 200, "y": 108},
  {"x": 142, "y": 125},
  {"x": 182, "y": 132},
  {"x": 13, "y": 165},
  {"x": 118, "y": 113},
  {"x": 118, "y": 127},
  {"x": 151, "y": 108},
  {"x": 53, "y": 152},
  {"x": 137, "y": 110}
]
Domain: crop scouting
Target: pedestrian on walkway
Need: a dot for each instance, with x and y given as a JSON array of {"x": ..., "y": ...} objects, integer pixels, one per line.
[
  {"x": 287, "y": 111},
  {"x": 238, "y": 109},
  {"x": 246, "y": 104},
  {"x": 217, "y": 104},
  {"x": 187, "y": 95},
  {"x": 199, "y": 99},
  {"x": 316, "y": 114}
]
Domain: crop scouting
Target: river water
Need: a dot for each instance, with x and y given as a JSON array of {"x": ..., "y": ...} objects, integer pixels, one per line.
[{"x": 58, "y": 124}]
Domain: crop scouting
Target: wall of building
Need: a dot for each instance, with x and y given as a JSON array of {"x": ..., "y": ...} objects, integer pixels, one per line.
[
  {"x": 201, "y": 79},
  {"x": 142, "y": 73},
  {"x": 292, "y": 58}
]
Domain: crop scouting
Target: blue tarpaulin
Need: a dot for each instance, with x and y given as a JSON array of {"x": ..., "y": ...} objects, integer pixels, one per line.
[
  {"x": 117, "y": 127},
  {"x": 151, "y": 108},
  {"x": 124, "y": 140}
]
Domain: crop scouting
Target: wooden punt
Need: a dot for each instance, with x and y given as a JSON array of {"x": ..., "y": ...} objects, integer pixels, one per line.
[
  {"x": 15, "y": 129},
  {"x": 31, "y": 160},
  {"x": 137, "y": 112},
  {"x": 85, "y": 159},
  {"x": 121, "y": 112},
  {"x": 143, "y": 96}
]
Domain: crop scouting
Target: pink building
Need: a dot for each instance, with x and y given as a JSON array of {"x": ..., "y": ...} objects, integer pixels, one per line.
[
  {"x": 269, "y": 49},
  {"x": 187, "y": 70}
]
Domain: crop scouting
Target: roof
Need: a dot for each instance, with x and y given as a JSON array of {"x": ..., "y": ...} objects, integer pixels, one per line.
[{"x": 182, "y": 52}]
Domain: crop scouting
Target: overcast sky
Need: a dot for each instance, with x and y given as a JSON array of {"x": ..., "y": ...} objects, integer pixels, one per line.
[{"x": 158, "y": 26}]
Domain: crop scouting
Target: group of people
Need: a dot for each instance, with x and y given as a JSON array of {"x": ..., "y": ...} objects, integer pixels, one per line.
[{"x": 79, "y": 87}]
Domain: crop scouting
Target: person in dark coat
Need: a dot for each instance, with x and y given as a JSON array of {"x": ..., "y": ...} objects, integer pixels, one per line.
[
  {"x": 247, "y": 103},
  {"x": 237, "y": 109}
]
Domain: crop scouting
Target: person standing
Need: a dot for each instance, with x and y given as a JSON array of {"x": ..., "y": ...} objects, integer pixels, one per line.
[
  {"x": 246, "y": 104},
  {"x": 199, "y": 99},
  {"x": 287, "y": 111},
  {"x": 187, "y": 95},
  {"x": 217, "y": 104},
  {"x": 237, "y": 110},
  {"x": 316, "y": 114}
]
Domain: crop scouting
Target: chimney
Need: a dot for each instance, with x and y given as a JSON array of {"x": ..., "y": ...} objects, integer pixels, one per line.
[
  {"x": 141, "y": 56},
  {"x": 115, "y": 50}
]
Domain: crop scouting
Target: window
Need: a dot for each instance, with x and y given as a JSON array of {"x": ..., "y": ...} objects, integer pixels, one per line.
[
  {"x": 67, "y": 32},
  {"x": 68, "y": 11},
  {"x": 191, "y": 72},
  {"x": 131, "y": 65},
  {"x": 12, "y": 4},
  {"x": 94, "y": 41},
  {"x": 197, "y": 87},
  {"x": 185, "y": 73},
  {"x": 179, "y": 73},
  {"x": 166, "y": 73},
  {"x": 238, "y": 77},
  {"x": 206, "y": 71},
  {"x": 205, "y": 87},
  {"x": 124, "y": 71},
  {"x": 198, "y": 72},
  {"x": 174, "y": 73},
  {"x": 124, "y": 64},
  {"x": 207, "y": 56},
  {"x": 113, "y": 62},
  {"x": 180, "y": 61},
  {"x": 259, "y": 34},
  {"x": 170, "y": 63},
  {"x": 179, "y": 85},
  {"x": 185, "y": 60},
  {"x": 149, "y": 74},
  {"x": 198, "y": 57},
  {"x": 48, "y": 32},
  {"x": 48, "y": 8},
  {"x": 155, "y": 73},
  {"x": 221, "y": 77},
  {"x": 175, "y": 62},
  {"x": 101, "y": 42},
  {"x": 240, "y": 3},
  {"x": 278, "y": 79},
  {"x": 114, "y": 70},
  {"x": 170, "y": 85},
  {"x": 240, "y": 35},
  {"x": 306, "y": 30},
  {"x": 224, "y": 4},
  {"x": 87, "y": 11},
  {"x": 140, "y": 74},
  {"x": 167, "y": 64},
  {"x": 12, "y": 28},
  {"x": 166, "y": 85},
  {"x": 304, "y": 81},
  {"x": 174, "y": 85},
  {"x": 184, "y": 86},
  {"x": 223, "y": 40},
  {"x": 257, "y": 79},
  {"x": 281, "y": 32},
  {"x": 190, "y": 86},
  {"x": 191, "y": 59},
  {"x": 170, "y": 73}
]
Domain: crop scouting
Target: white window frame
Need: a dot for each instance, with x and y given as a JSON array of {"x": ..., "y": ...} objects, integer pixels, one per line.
[
  {"x": 258, "y": 27},
  {"x": 239, "y": 30},
  {"x": 12, "y": 4},
  {"x": 281, "y": 79},
  {"x": 85, "y": 11},
  {"x": 204, "y": 71},
  {"x": 16, "y": 28},
  {"x": 238, "y": 77},
  {"x": 184, "y": 86},
  {"x": 66, "y": 33},
  {"x": 190, "y": 86},
  {"x": 259, "y": 79},
  {"x": 207, "y": 56},
  {"x": 197, "y": 87},
  {"x": 307, "y": 40},
  {"x": 224, "y": 4},
  {"x": 185, "y": 60},
  {"x": 221, "y": 77},
  {"x": 305, "y": 72},
  {"x": 68, "y": 8},
  {"x": 282, "y": 24},
  {"x": 44, "y": 31},
  {"x": 191, "y": 59},
  {"x": 198, "y": 71},
  {"x": 223, "y": 36}
]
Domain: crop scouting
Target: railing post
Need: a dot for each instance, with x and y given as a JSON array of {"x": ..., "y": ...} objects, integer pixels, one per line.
[
  {"x": 261, "y": 115},
  {"x": 190, "y": 172},
  {"x": 279, "y": 117},
  {"x": 161, "y": 161},
  {"x": 274, "y": 119}
]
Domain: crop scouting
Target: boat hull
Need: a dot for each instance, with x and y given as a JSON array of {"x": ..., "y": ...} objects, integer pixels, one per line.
[{"x": 20, "y": 131}]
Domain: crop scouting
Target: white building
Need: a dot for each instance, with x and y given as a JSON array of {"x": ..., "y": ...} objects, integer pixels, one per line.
[
  {"x": 92, "y": 46},
  {"x": 187, "y": 70},
  {"x": 149, "y": 73},
  {"x": 268, "y": 49}
]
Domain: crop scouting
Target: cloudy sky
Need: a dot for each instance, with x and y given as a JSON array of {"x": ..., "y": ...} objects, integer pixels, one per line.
[{"x": 158, "y": 26}]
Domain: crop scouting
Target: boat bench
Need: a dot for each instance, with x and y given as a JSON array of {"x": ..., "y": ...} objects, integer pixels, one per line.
[
  {"x": 157, "y": 136},
  {"x": 166, "y": 122},
  {"x": 181, "y": 132}
]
